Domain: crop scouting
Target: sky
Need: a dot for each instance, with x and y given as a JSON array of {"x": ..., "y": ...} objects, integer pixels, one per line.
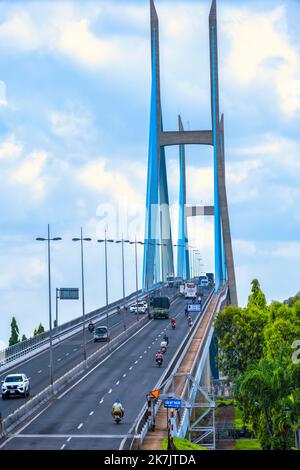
[{"x": 74, "y": 124}]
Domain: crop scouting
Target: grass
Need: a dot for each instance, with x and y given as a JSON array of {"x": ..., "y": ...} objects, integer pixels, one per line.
[
  {"x": 182, "y": 444},
  {"x": 225, "y": 402},
  {"x": 247, "y": 444}
]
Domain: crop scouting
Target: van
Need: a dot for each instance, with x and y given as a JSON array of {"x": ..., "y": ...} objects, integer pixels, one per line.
[{"x": 101, "y": 334}]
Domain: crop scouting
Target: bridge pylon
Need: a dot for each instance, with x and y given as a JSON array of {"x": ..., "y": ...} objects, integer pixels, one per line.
[{"x": 158, "y": 248}]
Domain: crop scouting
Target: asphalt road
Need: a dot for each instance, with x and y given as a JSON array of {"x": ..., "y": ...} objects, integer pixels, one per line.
[
  {"x": 80, "y": 418},
  {"x": 66, "y": 354}
]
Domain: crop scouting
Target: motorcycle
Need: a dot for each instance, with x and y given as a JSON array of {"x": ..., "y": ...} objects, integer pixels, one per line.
[
  {"x": 163, "y": 349},
  {"x": 190, "y": 322},
  {"x": 117, "y": 417},
  {"x": 173, "y": 324},
  {"x": 159, "y": 361}
]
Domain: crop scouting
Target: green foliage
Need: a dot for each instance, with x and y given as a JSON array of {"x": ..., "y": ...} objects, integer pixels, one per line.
[
  {"x": 40, "y": 329},
  {"x": 182, "y": 444},
  {"x": 24, "y": 338},
  {"x": 292, "y": 300},
  {"x": 14, "y": 336},
  {"x": 255, "y": 352},
  {"x": 247, "y": 444},
  {"x": 257, "y": 297}
]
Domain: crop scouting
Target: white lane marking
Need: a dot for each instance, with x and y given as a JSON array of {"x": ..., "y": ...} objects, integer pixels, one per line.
[
  {"x": 130, "y": 368},
  {"x": 40, "y": 371},
  {"x": 145, "y": 352},
  {"x": 75, "y": 349},
  {"x": 79, "y": 425},
  {"x": 141, "y": 357},
  {"x": 91, "y": 413},
  {"x": 102, "y": 362},
  {"x": 67, "y": 354},
  {"x": 136, "y": 362},
  {"x": 63, "y": 446},
  {"x": 117, "y": 383},
  {"x": 24, "y": 427},
  {"x": 110, "y": 390},
  {"x": 152, "y": 342},
  {"x": 101, "y": 401},
  {"x": 69, "y": 438},
  {"x": 149, "y": 347},
  {"x": 75, "y": 436},
  {"x": 59, "y": 359}
]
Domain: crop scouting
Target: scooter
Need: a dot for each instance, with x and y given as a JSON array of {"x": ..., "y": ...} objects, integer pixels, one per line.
[
  {"x": 159, "y": 361},
  {"x": 163, "y": 349},
  {"x": 117, "y": 417}
]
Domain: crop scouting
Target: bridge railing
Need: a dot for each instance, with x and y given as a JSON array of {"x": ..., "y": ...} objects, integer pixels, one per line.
[
  {"x": 12, "y": 353},
  {"x": 142, "y": 423}
]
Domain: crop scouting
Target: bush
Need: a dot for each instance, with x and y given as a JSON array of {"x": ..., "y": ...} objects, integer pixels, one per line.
[
  {"x": 247, "y": 444},
  {"x": 182, "y": 444}
]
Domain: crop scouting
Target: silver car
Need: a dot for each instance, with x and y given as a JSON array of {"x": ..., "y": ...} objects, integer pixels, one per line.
[{"x": 101, "y": 334}]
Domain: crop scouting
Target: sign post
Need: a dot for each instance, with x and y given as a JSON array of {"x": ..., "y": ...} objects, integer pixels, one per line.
[{"x": 65, "y": 293}]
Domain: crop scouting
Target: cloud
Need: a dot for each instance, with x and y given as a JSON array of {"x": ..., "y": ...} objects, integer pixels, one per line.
[
  {"x": 262, "y": 53},
  {"x": 78, "y": 42},
  {"x": 29, "y": 172},
  {"x": 3, "y": 101},
  {"x": 70, "y": 124},
  {"x": 10, "y": 149}
]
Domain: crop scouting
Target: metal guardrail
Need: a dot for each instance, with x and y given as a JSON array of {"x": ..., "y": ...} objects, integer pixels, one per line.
[
  {"x": 43, "y": 397},
  {"x": 141, "y": 425},
  {"x": 20, "y": 349}
]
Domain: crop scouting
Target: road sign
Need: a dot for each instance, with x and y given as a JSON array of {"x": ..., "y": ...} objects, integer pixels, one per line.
[
  {"x": 155, "y": 393},
  {"x": 69, "y": 293},
  {"x": 172, "y": 403},
  {"x": 194, "y": 308}
]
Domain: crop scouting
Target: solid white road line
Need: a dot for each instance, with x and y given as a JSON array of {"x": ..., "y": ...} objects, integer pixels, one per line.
[
  {"x": 104, "y": 360},
  {"x": 74, "y": 436}
]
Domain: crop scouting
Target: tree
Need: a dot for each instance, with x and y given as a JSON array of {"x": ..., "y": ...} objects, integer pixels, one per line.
[
  {"x": 14, "y": 337},
  {"x": 24, "y": 338},
  {"x": 40, "y": 329},
  {"x": 263, "y": 395},
  {"x": 240, "y": 338},
  {"x": 257, "y": 297}
]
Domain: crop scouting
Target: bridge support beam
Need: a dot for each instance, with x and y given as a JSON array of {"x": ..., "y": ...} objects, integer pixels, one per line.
[
  {"x": 183, "y": 261},
  {"x": 158, "y": 228}
]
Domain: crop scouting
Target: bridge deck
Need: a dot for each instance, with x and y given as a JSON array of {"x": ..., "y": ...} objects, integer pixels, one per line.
[{"x": 153, "y": 440}]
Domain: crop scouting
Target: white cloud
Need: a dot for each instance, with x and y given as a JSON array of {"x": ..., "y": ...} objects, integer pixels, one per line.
[
  {"x": 77, "y": 41},
  {"x": 29, "y": 172},
  {"x": 10, "y": 148},
  {"x": 262, "y": 53},
  {"x": 70, "y": 124}
]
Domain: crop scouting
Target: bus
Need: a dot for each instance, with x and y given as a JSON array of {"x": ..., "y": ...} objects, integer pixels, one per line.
[{"x": 190, "y": 290}]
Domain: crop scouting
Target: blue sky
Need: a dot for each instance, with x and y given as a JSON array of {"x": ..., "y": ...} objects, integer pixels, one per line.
[{"x": 74, "y": 117}]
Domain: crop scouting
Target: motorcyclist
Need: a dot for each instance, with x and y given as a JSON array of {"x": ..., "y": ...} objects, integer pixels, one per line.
[
  {"x": 91, "y": 326},
  {"x": 173, "y": 322},
  {"x": 166, "y": 339},
  {"x": 117, "y": 409},
  {"x": 190, "y": 321},
  {"x": 163, "y": 345},
  {"x": 158, "y": 356}
]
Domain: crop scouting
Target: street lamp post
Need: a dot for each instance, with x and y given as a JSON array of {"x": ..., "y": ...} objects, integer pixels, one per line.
[
  {"x": 123, "y": 276},
  {"x": 49, "y": 239},
  {"x": 105, "y": 241},
  {"x": 81, "y": 239}
]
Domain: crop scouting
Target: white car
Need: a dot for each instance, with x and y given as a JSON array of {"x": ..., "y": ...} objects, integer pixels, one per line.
[
  {"x": 15, "y": 384},
  {"x": 141, "y": 307}
]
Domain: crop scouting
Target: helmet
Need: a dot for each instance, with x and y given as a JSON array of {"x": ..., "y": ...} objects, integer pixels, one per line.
[{"x": 117, "y": 401}]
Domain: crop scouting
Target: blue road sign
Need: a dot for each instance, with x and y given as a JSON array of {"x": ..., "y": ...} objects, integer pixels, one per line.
[
  {"x": 194, "y": 308},
  {"x": 172, "y": 403}
]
